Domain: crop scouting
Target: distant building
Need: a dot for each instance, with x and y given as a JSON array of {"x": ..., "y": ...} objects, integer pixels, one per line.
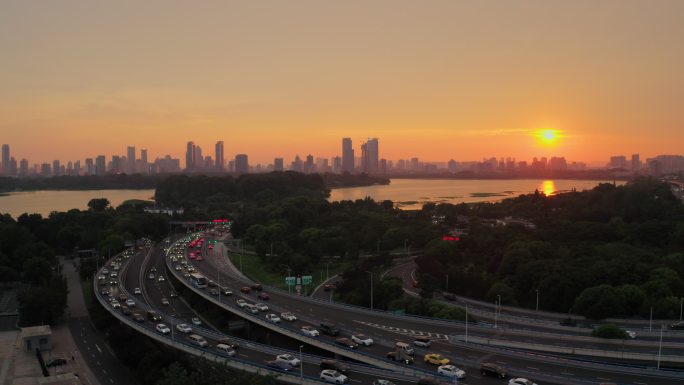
[
  {"x": 130, "y": 160},
  {"x": 5, "y": 159},
  {"x": 347, "y": 155},
  {"x": 55, "y": 168},
  {"x": 100, "y": 165},
  {"x": 452, "y": 166},
  {"x": 36, "y": 337},
  {"x": 635, "y": 164},
  {"x": 167, "y": 165},
  {"x": 337, "y": 164},
  {"x": 558, "y": 163},
  {"x": 198, "y": 159},
  {"x": 190, "y": 156},
  {"x": 370, "y": 163},
  {"x": 278, "y": 164},
  {"x": 618, "y": 161},
  {"x": 241, "y": 164},
  {"x": 24, "y": 167},
  {"x": 220, "y": 161}
]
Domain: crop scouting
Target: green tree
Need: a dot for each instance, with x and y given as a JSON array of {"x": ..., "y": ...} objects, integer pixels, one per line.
[
  {"x": 599, "y": 302},
  {"x": 98, "y": 204}
]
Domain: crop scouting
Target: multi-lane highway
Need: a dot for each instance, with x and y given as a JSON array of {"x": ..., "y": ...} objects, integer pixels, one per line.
[{"x": 386, "y": 329}]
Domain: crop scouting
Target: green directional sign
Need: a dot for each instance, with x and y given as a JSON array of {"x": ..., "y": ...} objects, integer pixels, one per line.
[
  {"x": 307, "y": 279},
  {"x": 290, "y": 281}
]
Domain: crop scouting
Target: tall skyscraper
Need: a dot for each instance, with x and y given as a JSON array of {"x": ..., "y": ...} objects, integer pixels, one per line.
[
  {"x": 198, "y": 161},
  {"x": 130, "y": 160},
  {"x": 219, "y": 155},
  {"x": 142, "y": 164},
  {"x": 278, "y": 164},
  {"x": 369, "y": 156},
  {"x": 55, "y": 168},
  {"x": 100, "y": 165},
  {"x": 347, "y": 155},
  {"x": 5, "y": 159},
  {"x": 241, "y": 164},
  {"x": 190, "y": 156},
  {"x": 23, "y": 167}
]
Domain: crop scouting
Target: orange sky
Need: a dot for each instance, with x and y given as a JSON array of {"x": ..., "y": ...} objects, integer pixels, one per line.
[{"x": 432, "y": 79}]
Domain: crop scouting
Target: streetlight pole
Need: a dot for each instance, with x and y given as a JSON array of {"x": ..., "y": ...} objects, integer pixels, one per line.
[
  {"x": 650, "y": 320},
  {"x": 537, "y": 307},
  {"x": 660, "y": 345},
  {"x": 327, "y": 275},
  {"x": 289, "y": 287},
  {"x": 466, "y": 325},
  {"x": 371, "y": 291},
  {"x": 301, "y": 364},
  {"x": 496, "y": 313}
]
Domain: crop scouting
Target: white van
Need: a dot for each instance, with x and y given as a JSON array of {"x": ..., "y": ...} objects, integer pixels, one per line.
[
  {"x": 404, "y": 347},
  {"x": 225, "y": 349},
  {"x": 198, "y": 340}
]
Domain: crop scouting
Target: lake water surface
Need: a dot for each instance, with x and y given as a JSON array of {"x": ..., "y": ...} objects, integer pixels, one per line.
[{"x": 406, "y": 193}]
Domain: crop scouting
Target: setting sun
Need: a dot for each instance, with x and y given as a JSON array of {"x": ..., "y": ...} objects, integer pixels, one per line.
[{"x": 548, "y": 136}]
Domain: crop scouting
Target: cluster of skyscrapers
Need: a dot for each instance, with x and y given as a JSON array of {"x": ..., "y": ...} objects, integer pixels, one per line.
[{"x": 367, "y": 161}]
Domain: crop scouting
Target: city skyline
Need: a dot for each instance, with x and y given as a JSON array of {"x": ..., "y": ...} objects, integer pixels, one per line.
[{"x": 434, "y": 82}]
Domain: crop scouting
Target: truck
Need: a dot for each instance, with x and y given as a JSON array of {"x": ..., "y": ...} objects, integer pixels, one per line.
[{"x": 400, "y": 355}]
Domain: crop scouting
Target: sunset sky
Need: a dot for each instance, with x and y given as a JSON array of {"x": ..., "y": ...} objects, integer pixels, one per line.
[{"x": 432, "y": 79}]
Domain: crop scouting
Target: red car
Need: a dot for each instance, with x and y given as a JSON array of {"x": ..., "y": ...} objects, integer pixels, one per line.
[
  {"x": 264, "y": 296},
  {"x": 245, "y": 289}
]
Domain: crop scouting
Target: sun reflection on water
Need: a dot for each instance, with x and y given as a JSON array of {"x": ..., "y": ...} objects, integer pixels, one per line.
[{"x": 548, "y": 187}]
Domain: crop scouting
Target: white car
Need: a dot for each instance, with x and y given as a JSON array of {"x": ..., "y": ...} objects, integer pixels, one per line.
[
  {"x": 165, "y": 301},
  {"x": 520, "y": 381},
  {"x": 451, "y": 371},
  {"x": 261, "y": 306},
  {"x": 631, "y": 334},
  {"x": 130, "y": 303},
  {"x": 287, "y": 316},
  {"x": 310, "y": 331},
  {"x": 272, "y": 318},
  {"x": 137, "y": 291},
  {"x": 183, "y": 328},
  {"x": 289, "y": 358},
  {"x": 241, "y": 303},
  {"x": 115, "y": 304},
  {"x": 329, "y": 375},
  {"x": 196, "y": 321},
  {"x": 161, "y": 278},
  {"x": 362, "y": 339},
  {"x": 163, "y": 329}
]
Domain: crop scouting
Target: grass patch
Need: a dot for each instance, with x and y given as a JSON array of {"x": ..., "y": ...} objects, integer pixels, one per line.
[{"x": 253, "y": 267}]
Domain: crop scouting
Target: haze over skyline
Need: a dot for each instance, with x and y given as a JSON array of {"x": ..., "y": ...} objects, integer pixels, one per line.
[{"x": 435, "y": 80}]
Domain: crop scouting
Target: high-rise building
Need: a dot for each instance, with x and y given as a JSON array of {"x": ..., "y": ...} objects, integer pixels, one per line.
[
  {"x": 55, "y": 168},
  {"x": 23, "y": 167},
  {"x": 337, "y": 164},
  {"x": 142, "y": 165},
  {"x": 369, "y": 156},
  {"x": 190, "y": 156},
  {"x": 45, "y": 169},
  {"x": 219, "y": 155},
  {"x": 130, "y": 160},
  {"x": 635, "y": 163},
  {"x": 347, "y": 155},
  {"x": 241, "y": 164},
  {"x": 309, "y": 164},
  {"x": 198, "y": 159},
  {"x": 5, "y": 159},
  {"x": 278, "y": 164},
  {"x": 100, "y": 165}
]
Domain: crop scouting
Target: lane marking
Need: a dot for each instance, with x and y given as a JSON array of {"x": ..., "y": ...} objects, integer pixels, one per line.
[{"x": 98, "y": 348}]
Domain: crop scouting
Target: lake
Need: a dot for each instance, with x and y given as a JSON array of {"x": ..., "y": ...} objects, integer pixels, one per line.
[
  {"x": 406, "y": 193},
  {"x": 45, "y": 201},
  {"x": 411, "y": 194}
]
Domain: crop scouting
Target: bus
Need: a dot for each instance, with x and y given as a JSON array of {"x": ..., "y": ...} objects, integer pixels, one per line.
[{"x": 198, "y": 280}]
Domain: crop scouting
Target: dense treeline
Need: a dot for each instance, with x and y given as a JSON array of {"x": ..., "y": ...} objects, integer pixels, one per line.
[
  {"x": 610, "y": 251},
  {"x": 27, "y": 259},
  {"x": 30, "y": 243},
  {"x": 106, "y": 182}
]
